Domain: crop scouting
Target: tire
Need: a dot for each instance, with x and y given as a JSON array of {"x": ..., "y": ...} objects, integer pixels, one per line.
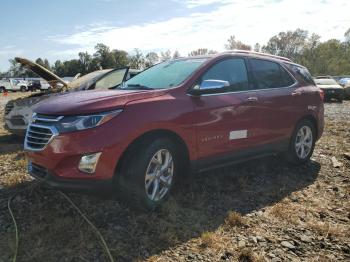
[
  {"x": 2, "y": 89},
  {"x": 23, "y": 89},
  {"x": 139, "y": 189},
  {"x": 301, "y": 155}
]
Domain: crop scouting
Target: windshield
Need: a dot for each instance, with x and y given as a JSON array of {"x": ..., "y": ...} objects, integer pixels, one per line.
[
  {"x": 325, "y": 82},
  {"x": 87, "y": 78},
  {"x": 164, "y": 75}
]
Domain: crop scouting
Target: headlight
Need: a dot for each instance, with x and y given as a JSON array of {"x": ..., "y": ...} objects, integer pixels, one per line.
[{"x": 75, "y": 123}]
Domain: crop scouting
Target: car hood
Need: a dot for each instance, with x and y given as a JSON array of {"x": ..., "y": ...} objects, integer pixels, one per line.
[
  {"x": 46, "y": 74},
  {"x": 91, "y": 101},
  {"x": 31, "y": 100}
]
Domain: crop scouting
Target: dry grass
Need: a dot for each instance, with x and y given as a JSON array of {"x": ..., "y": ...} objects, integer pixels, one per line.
[
  {"x": 247, "y": 255},
  {"x": 234, "y": 219},
  {"x": 208, "y": 239},
  {"x": 326, "y": 229}
]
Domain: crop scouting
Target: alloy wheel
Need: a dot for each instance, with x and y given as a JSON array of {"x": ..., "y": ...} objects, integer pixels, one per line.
[
  {"x": 159, "y": 175},
  {"x": 303, "y": 142}
]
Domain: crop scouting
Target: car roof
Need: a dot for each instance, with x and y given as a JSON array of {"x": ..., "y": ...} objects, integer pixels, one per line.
[{"x": 246, "y": 53}]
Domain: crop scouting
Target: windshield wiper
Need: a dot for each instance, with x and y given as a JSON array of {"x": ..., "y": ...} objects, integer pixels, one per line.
[{"x": 138, "y": 87}]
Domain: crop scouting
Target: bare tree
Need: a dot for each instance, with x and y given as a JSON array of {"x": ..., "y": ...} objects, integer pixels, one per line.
[
  {"x": 232, "y": 43},
  {"x": 201, "y": 51}
]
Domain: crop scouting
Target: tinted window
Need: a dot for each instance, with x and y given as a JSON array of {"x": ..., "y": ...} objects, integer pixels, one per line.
[
  {"x": 232, "y": 70},
  {"x": 303, "y": 73},
  {"x": 270, "y": 74}
]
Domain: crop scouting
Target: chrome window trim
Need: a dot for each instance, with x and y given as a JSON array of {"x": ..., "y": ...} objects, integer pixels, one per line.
[
  {"x": 296, "y": 82},
  {"x": 53, "y": 130}
]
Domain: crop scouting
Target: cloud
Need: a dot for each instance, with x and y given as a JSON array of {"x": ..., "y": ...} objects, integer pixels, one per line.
[
  {"x": 250, "y": 21},
  {"x": 197, "y": 3}
]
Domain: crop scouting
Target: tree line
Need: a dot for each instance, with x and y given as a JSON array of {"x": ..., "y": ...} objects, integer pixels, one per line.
[{"x": 331, "y": 57}]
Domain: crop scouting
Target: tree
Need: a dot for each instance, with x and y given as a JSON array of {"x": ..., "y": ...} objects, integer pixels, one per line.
[
  {"x": 151, "y": 59},
  {"x": 164, "y": 56},
  {"x": 104, "y": 56},
  {"x": 257, "y": 47},
  {"x": 15, "y": 69},
  {"x": 236, "y": 44},
  {"x": 201, "y": 51},
  {"x": 289, "y": 44},
  {"x": 137, "y": 61},
  {"x": 120, "y": 58},
  {"x": 176, "y": 54},
  {"x": 347, "y": 35},
  {"x": 85, "y": 61}
]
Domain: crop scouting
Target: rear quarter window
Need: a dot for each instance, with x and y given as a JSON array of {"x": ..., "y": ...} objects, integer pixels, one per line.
[
  {"x": 302, "y": 72},
  {"x": 269, "y": 74}
]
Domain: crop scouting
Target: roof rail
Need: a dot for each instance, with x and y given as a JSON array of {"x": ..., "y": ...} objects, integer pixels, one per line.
[{"x": 239, "y": 51}]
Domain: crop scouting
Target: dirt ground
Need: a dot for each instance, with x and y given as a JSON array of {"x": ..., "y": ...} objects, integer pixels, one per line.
[{"x": 262, "y": 210}]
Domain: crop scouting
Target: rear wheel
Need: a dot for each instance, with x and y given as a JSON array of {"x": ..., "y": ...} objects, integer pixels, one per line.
[
  {"x": 148, "y": 173},
  {"x": 23, "y": 89},
  {"x": 2, "y": 89},
  {"x": 302, "y": 143}
]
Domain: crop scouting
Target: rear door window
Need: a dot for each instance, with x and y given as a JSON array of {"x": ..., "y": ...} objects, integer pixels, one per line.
[
  {"x": 269, "y": 74},
  {"x": 233, "y": 71}
]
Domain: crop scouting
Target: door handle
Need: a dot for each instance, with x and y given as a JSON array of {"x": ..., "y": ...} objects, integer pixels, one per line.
[
  {"x": 252, "y": 99},
  {"x": 296, "y": 93}
]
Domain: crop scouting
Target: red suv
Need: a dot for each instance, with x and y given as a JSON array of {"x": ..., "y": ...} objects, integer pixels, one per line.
[{"x": 190, "y": 113}]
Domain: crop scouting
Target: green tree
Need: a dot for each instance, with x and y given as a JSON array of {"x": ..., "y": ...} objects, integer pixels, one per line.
[
  {"x": 104, "y": 56},
  {"x": 288, "y": 44},
  {"x": 120, "y": 58}
]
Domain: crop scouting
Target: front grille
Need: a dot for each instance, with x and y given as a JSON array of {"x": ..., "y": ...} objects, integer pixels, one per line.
[
  {"x": 40, "y": 132},
  {"x": 17, "y": 121},
  {"x": 9, "y": 106},
  {"x": 36, "y": 170}
]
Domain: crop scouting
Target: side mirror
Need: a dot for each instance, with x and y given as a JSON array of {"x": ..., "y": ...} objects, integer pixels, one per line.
[{"x": 210, "y": 86}]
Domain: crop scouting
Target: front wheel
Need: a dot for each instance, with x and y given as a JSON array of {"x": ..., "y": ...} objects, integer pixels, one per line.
[
  {"x": 302, "y": 143},
  {"x": 2, "y": 89},
  {"x": 148, "y": 173},
  {"x": 23, "y": 89}
]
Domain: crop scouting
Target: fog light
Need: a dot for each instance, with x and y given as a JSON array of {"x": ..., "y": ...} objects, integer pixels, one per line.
[{"x": 88, "y": 163}]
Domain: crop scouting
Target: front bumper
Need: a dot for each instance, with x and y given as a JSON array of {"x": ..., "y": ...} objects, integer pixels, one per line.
[{"x": 45, "y": 176}]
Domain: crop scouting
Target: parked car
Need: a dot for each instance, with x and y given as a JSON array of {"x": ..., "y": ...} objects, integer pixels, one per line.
[
  {"x": 192, "y": 113},
  {"x": 347, "y": 90},
  {"x": 18, "y": 113},
  {"x": 344, "y": 81},
  {"x": 11, "y": 84},
  {"x": 34, "y": 85},
  {"x": 331, "y": 89}
]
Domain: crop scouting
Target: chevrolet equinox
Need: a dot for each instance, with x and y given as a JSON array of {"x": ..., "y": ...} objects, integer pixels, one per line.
[{"x": 191, "y": 113}]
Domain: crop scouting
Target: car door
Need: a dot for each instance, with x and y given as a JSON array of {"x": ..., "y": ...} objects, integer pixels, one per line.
[
  {"x": 226, "y": 121},
  {"x": 278, "y": 94}
]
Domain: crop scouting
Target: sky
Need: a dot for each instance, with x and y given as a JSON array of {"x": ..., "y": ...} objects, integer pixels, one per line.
[{"x": 59, "y": 29}]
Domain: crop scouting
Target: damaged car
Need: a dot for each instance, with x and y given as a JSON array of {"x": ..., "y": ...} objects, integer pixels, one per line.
[{"x": 18, "y": 112}]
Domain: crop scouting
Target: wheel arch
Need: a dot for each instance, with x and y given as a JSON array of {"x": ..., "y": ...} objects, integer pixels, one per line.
[
  {"x": 312, "y": 119},
  {"x": 150, "y": 136}
]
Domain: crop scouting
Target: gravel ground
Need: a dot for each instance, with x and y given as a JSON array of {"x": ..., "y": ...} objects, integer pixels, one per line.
[{"x": 262, "y": 210}]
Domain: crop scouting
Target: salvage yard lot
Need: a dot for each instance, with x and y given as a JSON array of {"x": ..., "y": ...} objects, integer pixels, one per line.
[{"x": 262, "y": 210}]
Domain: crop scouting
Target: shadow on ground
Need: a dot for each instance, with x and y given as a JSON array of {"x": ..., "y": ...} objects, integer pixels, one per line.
[
  {"x": 10, "y": 143},
  {"x": 51, "y": 228}
]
